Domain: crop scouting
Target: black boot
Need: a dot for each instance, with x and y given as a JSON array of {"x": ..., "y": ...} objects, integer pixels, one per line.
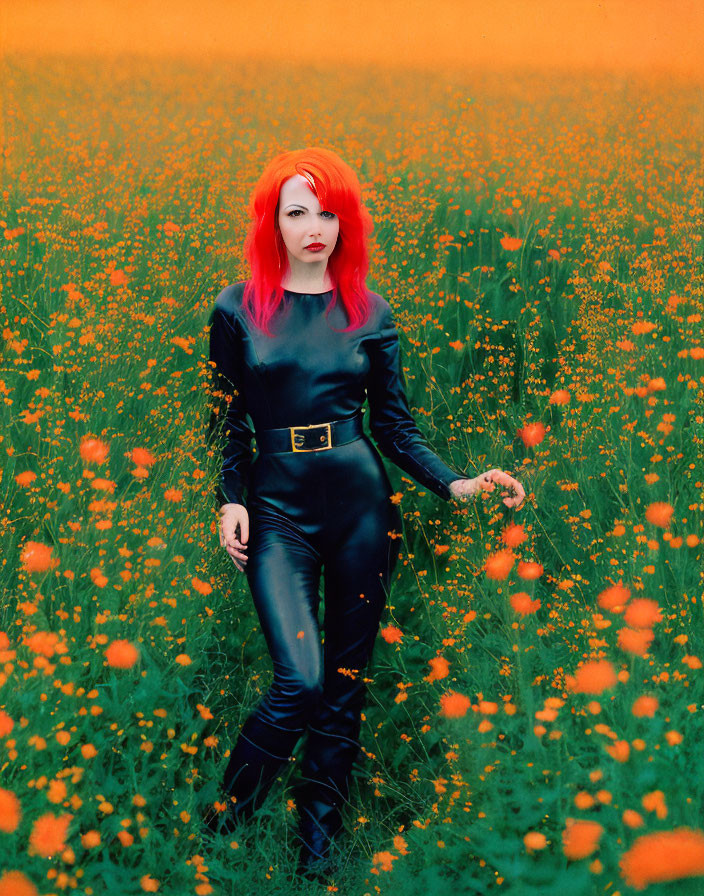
[
  {"x": 321, "y": 796},
  {"x": 320, "y": 821},
  {"x": 250, "y": 773}
]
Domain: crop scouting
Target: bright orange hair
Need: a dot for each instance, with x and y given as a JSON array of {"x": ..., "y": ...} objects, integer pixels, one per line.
[{"x": 338, "y": 190}]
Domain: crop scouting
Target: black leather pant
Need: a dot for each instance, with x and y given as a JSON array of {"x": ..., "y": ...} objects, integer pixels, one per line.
[{"x": 319, "y": 511}]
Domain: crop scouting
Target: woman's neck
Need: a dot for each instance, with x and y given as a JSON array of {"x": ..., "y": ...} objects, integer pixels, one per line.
[
  {"x": 307, "y": 288},
  {"x": 310, "y": 278}
]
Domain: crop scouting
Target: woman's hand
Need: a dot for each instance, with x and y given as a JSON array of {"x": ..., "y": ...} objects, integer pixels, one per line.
[
  {"x": 233, "y": 516},
  {"x": 466, "y": 488}
]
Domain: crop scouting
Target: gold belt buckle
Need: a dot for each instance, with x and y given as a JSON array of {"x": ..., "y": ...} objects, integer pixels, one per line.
[{"x": 294, "y": 435}]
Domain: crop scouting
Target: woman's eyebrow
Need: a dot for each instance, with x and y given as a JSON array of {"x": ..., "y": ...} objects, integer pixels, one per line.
[{"x": 298, "y": 204}]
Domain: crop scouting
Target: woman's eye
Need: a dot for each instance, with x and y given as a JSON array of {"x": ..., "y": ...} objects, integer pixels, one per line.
[{"x": 297, "y": 211}]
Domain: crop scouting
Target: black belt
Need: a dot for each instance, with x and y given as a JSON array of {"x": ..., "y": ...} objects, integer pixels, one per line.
[{"x": 318, "y": 437}]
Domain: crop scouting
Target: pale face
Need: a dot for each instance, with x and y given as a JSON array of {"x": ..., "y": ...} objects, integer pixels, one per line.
[{"x": 303, "y": 222}]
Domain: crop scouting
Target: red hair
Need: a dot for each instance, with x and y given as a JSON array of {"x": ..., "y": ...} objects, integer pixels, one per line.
[{"x": 338, "y": 190}]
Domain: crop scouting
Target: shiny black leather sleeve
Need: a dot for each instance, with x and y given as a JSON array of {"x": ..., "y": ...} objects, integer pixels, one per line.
[
  {"x": 229, "y": 403},
  {"x": 390, "y": 421}
]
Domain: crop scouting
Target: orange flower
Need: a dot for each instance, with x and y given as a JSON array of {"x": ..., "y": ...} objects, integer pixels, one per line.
[
  {"x": 15, "y": 883},
  {"x": 6, "y": 723},
  {"x": 635, "y": 640},
  {"x": 400, "y": 845},
  {"x": 642, "y": 326},
  {"x": 619, "y": 750},
  {"x": 643, "y": 613},
  {"x": 580, "y": 838},
  {"x": 522, "y": 603},
  {"x": 614, "y": 598},
  {"x": 106, "y": 485},
  {"x": 645, "y": 706},
  {"x": 529, "y": 569},
  {"x": 534, "y": 840},
  {"x": 36, "y": 557},
  {"x": 583, "y": 800},
  {"x": 94, "y": 451},
  {"x": 142, "y": 457},
  {"x": 498, "y": 565},
  {"x": 593, "y": 677},
  {"x": 560, "y": 397},
  {"x": 511, "y": 243},
  {"x": 91, "y": 839},
  {"x": 513, "y": 535},
  {"x": 659, "y": 513},
  {"x": 663, "y": 856},
  {"x": 56, "y": 792},
  {"x": 98, "y": 578},
  {"x": 384, "y": 860},
  {"x": 183, "y": 659},
  {"x": 454, "y": 705},
  {"x": 49, "y": 834},
  {"x": 532, "y": 434},
  {"x": 391, "y": 634},
  {"x": 440, "y": 668},
  {"x": 148, "y": 883},
  {"x": 655, "y": 802},
  {"x": 118, "y": 277},
  {"x": 201, "y": 587},
  {"x": 633, "y": 819},
  {"x": 122, "y": 654},
  {"x": 10, "y": 811},
  {"x": 45, "y": 643}
]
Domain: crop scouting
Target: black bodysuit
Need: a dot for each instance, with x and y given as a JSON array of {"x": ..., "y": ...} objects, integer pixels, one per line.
[{"x": 308, "y": 511}]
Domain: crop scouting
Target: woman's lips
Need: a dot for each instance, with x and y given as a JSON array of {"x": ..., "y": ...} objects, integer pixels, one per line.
[{"x": 315, "y": 247}]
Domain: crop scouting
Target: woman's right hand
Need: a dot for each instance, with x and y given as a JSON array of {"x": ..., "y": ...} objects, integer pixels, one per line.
[{"x": 232, "y": 517}]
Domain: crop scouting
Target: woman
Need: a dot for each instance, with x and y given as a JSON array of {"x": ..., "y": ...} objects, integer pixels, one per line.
[{"x": 298, "y": 348}]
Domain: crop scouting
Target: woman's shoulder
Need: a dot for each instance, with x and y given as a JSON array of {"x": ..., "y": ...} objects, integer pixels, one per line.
[
  {"x": 230, "y": 298},
  {"x": 382, "y": 313},
  {"x": 380, "y": 309},
  {"x": 228, "y": 304}
]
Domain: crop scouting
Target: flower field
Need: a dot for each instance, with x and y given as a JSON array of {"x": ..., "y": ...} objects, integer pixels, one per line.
[{"x": 535, "y": 707}]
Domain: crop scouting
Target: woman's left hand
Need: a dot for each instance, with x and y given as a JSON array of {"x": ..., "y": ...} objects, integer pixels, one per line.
[{"x": 465, "y": 488}]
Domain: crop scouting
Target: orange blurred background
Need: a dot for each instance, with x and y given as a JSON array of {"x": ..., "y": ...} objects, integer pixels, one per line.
[{"x": 654, "y": 35}]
